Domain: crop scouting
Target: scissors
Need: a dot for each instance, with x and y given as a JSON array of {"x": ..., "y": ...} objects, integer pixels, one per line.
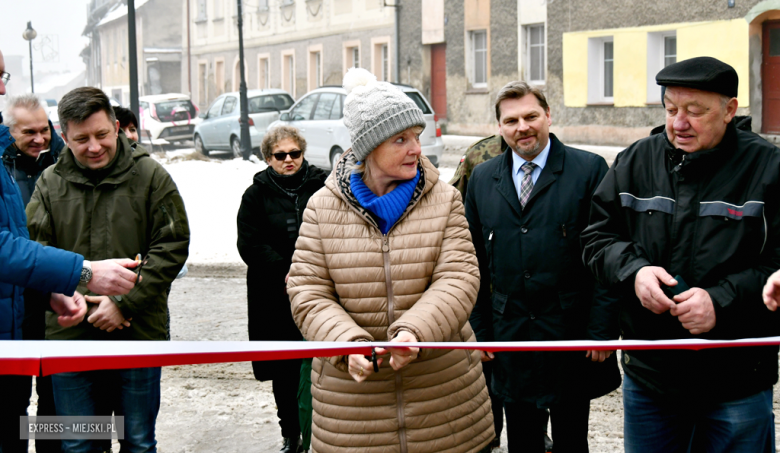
[
  {"x": 372, "y": 358},
  {"x": 140, "y": 266}
]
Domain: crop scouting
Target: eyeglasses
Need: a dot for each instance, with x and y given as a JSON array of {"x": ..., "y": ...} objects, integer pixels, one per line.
[
  {"x": 283, "y": 156},
  {"x": 5, "y": 77}
]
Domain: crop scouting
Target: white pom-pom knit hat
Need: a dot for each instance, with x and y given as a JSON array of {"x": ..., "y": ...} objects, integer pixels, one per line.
[{"x": 375, "y": 111}]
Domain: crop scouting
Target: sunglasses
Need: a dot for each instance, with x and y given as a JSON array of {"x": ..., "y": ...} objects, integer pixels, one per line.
[{"x": 283, "y": 156}]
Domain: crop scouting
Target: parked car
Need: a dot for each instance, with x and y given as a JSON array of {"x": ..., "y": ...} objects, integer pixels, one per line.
[
  {"x": 319, "y": 116},
  {"x": 171, "y": 116},
  {"x": 220, "y": 128}
]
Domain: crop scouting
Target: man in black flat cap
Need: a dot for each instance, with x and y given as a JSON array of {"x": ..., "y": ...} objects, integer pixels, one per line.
[{"x": 685, "y": 225}]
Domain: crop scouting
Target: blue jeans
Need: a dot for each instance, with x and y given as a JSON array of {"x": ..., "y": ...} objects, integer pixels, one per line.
[
  {"x": 653, "y": 425},
  {"x": 132, "y": 393}
]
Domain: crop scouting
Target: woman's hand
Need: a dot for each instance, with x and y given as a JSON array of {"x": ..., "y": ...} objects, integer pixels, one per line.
[
  {"x": 401, "y": 356},
  {"x": 360, "y": 368}
]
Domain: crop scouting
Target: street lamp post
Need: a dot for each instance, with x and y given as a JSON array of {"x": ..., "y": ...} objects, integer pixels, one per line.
[
  {"x": 29, "y": 35},
  {"x": 246, "y": 143}
]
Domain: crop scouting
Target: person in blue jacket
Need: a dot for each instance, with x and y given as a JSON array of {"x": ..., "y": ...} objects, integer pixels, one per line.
[{"x": 27, "y": 264}]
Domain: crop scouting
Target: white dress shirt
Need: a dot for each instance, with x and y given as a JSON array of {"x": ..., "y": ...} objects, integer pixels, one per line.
[{"x": 517, "y": 162}]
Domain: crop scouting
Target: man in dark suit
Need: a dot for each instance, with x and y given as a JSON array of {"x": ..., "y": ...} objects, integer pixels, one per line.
[{"x": 526, "y": 209}]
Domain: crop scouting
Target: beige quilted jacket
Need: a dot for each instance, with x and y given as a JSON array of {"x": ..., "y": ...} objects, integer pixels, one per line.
[{"x": 348, "y": 282}]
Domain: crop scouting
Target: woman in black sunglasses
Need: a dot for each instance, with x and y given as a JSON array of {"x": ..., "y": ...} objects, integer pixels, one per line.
[{"x": 268, "y": 222}]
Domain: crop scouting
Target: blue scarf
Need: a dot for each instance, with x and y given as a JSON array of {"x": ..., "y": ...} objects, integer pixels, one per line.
[{"x": 388, "y": 207}]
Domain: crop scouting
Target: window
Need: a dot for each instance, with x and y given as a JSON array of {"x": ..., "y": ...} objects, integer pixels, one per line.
[
  {"x": 216, "y": 107},
  {"x": 264, "y": 81},
  {"x": 202, "y": 14},
  {"x": 230, "y": 105},
  {"x": 385, "y": 63},
  {"x": 288, "y": 71},
  {"x": 609, "y": 63},
  {"x": 351, "y": 54},
  {"x": 218, "y": 9},
  {"x": 478, "y": 54},
  {"x": 303, "y": 110},
  {"x": 601, "y": 66},
  {"x": 315, "y": 67},
  {"x": 417, "y": 98},
  {"x": 381, "y": 58},
  {"x": 661, "y": 52},
  {"x": 535, "y": 53},
  {"x": 670, "y": 50},
  {"x": 326, "y": 105},
  {"x": 203, "y": 81},
  {"x": 219, "y": 76},
  {"x": 262, "y": 5}
]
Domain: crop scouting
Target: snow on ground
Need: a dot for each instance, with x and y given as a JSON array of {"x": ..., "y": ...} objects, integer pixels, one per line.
[{"x": 212, "y": 191}]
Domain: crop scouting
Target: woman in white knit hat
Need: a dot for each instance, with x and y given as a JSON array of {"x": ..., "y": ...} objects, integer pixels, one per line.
[{"x": 384, "y": 254}]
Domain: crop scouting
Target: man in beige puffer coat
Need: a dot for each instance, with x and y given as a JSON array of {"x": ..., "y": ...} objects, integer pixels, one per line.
[{"x": 351, "y": 282}]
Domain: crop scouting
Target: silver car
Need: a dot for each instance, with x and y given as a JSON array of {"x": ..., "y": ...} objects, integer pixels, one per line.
[
  {"x": 319, "y": 117},
  {"x": 220, "y": 129}
]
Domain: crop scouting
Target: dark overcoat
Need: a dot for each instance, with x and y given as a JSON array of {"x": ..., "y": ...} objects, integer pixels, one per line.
[
  {"x": 541, "y": 291},
  {"x": 268, "y": 224}
]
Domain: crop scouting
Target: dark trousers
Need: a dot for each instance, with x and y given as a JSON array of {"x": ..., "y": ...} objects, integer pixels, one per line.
[
  {"x": 526, "y": 425},
  {"x": 495, "y": 401},
  {"x": 653, "y": 425},
  {"x": 16, "y": 397},
  {"x": 286, "y": 396}
]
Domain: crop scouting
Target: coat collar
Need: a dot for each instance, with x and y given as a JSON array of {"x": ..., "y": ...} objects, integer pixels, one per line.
[
  {"x": 338, "y": 183},
  {"x": 506, "y": 185},
  {"x": 124, "y": 161}
]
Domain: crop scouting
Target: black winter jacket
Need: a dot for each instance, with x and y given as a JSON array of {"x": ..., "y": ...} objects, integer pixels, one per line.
[
  {"x": 268, "y": 224},
  {"x": 710, "y": 217},
  {"x": 26, "y": 170},
  {"x": 541, "y": 289}
]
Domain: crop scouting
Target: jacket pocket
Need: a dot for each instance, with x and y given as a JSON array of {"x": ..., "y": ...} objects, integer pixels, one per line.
[
  {"x": 568, "y": 299},
  {"x": 499, "y": 302},
  {"x": 168, "y": 215}
]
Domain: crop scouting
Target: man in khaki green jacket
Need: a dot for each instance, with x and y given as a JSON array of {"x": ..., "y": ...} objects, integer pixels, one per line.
[{"x": 104, "y": 199}]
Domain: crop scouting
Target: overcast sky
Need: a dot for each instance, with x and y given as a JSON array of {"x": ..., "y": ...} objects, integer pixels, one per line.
[{"x": 62, "y": 21}]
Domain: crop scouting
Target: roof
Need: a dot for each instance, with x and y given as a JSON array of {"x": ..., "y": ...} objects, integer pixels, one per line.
[{"x": 119, "y": 11}]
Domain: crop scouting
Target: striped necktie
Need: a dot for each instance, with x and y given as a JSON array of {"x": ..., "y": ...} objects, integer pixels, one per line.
[{"x": 527, "y": 185}]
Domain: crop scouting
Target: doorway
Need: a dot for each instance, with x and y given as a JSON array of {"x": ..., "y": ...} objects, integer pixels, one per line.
[
  {"x": 770, "y": 77},
  {"x": 439, "y": 80}
]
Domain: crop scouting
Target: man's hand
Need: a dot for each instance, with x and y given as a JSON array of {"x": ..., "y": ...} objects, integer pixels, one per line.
[
  {"x": 647, "y": 286},
  {"x": 360, "y": 368},
  {"x": 486, "y": 356},
  {"x": 772, "y": 291},
  {"x": 71, "y": 310},
  {"x": 401, "y": 356},
  {"x": 107, "y": 316},
  {"x": 598, "y": 356},
  {"x": 694, "y": 310},
  {"x": 112, "y": 277}
]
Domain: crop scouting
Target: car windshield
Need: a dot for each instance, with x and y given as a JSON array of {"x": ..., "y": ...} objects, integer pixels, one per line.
[
  {"x": 268, "y": 102},
  {"x": 417, "y": 98},
  {"x": 177, "y": 110}
]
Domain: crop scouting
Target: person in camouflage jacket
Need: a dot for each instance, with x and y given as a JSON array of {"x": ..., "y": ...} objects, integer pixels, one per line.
[{"x": 479, "y": 152}]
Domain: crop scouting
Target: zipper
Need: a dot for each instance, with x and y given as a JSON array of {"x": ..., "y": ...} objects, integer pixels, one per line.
[
  {"x": 563, "y": 229},
  {"x": 399, "y": 395},
  {"x": 171, "y": 224}
]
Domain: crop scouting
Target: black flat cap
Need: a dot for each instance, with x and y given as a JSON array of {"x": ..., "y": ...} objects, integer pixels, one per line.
[{"x": 702, "y": 73}]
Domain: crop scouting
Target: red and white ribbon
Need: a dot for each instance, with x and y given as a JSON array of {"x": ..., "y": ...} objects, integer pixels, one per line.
[{"x": 42, "y": 358}]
